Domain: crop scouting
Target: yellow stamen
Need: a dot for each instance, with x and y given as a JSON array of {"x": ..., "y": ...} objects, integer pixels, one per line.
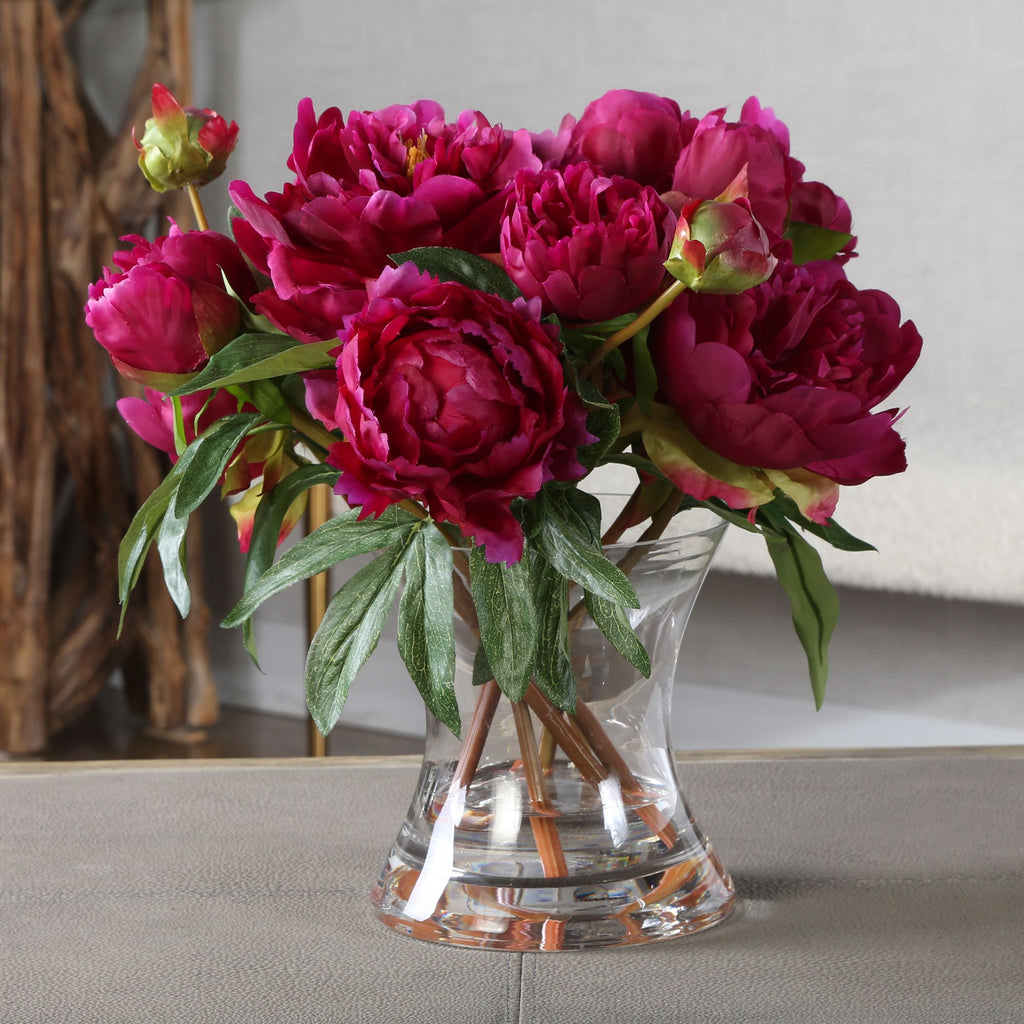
[{"x": 417, "y": 153}]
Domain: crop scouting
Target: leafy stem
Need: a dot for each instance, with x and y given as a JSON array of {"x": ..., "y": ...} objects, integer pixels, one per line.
[{"x": 661, "y": 303}]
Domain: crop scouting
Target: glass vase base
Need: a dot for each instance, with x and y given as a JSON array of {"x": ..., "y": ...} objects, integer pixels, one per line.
[{"x": 690, "y": 896}]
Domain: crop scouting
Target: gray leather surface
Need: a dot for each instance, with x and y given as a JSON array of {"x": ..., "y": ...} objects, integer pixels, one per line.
[{"x": 874, "y": 889}]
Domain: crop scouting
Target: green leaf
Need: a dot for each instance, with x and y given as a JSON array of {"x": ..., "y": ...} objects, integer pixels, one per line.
[
  {"x": 259, "y": 357},
  {"x": 730, "y": 515},
  {"x": 830, "y": 531},
  {"x": 267, "y": 397},
  {"x": 585, "y": 339},
  {"x": 613, "y": 621},
  {"x": 813, "y": 599},
  {"x": 582, "y": 510},
  {"x": 266, "y": 528},
  {"x": 592, "y": 397},
  {"x": 204, "y": 460},
  {"x": 605, "y": 423},
  {"x": 638, "y": 462},
  {"x": 463, "y": 267},
  {"x": 646, "y": 375},
  {"x": 561, "y": 531},
  {"x": 553, "y": 671},
  {"x": 349, "y": 632},
  {"x": 187, "y": 483},
  {"x": 170, "y": 545},
  {"x": 426, "y": 637},
  {"x": 139, "y": 536},
  {"x": 508, "y": 620},
  {"x": 341, "y": 537},
  {"x": 812, "y": 242},
  {"x": 481, "y": 667}
]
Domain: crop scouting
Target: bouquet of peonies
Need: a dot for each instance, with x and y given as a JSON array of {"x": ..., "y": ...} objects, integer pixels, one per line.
[{"x": 453, "y": 324}]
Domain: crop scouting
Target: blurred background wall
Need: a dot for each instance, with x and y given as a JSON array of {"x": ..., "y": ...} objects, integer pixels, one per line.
[{"x": 911, "y": 112}]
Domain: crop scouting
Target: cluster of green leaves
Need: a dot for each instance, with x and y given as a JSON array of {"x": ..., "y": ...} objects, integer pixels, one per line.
[
  {"x": 257, "y": 368},
  {"x": 521, "y": 609}
]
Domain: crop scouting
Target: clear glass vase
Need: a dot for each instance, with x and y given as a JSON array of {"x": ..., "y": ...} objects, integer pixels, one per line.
[{"x": 542, "y": 830}]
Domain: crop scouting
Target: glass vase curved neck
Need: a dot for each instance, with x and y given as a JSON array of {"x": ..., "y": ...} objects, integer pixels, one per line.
[{"x": 565, "y": 827}]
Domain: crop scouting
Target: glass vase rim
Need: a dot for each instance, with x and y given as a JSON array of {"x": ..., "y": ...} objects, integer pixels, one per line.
[{"x": 682, "y": 527}]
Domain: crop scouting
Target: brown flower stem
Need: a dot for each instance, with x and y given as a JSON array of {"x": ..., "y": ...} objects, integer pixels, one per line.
[
  {"x": 476, "y": 735},
  {"x": 579, "y": 753},
  {"x": 612, "y": 342},
  {"x": 545, "y": 831},
  {"x": 624, "y": 519},
  {"x": 659, "y": 523},
  {"x": 312, "y": 431},
  {"x": 197, "y": 207},
  {"x": 610, "y": 757},
  {"x": 595, "y": 756},
  {"x": 546, "y": 750}
]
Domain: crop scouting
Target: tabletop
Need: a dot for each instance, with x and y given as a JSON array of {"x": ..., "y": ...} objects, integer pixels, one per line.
[{"x": 873, "y": 886}]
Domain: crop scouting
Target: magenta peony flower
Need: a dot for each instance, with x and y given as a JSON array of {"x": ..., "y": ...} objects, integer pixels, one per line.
[
  {"x": 589, "y": 247},
  {"x": 635, "y": 134},
  {"x": 785, "y": 376},
  {"x": 166, "y": 311},
  {"x": 718, "y": 152},
  {"x": 456, "y": 399},
  {"x": 383, "y": 183}
]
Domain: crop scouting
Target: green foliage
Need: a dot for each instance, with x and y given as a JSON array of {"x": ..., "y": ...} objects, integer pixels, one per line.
[
  {"x": 613, "y": 621},
  {"x": 830, "y": 531},
  {"x": 553, "y": 670},
  {"x": 426, "y": 638},
  {"x": 164, "y": 515},
  {"x": 560, "y": 526},
  {"x": 266, "y": 529},
  {"x": 643, "y": 369},
  {"x": 811, "y": 242},
  {"x": 350, "y": 631},
  {"x": 812, "y": 597},
  {"x": 508, "y": 620},
  {"x": 462, "y": 267},
  {"x": 603, "y": 421},
  {"x": 342, "y": 537},
  {"x": 252, "y": 357}
]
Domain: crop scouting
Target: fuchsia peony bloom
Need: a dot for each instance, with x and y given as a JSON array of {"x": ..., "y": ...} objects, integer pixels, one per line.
[
  {"x": 718, "y": 152},
  {"x": 383, "y": 183},
  {"x": 785, "y": 376},
  {"x": 456, "y": 399},
  {"x": 638, "y": 135},
  {"x": 589, "y": 247},
  {"x": 166, "y": 311}
]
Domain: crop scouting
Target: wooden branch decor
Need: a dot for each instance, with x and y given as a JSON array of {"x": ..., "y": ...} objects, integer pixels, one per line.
[{"x": 70, "y": 474}]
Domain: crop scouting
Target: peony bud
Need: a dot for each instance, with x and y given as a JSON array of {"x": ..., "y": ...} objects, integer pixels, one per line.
[
  {"x": 720, "y": 248},
  {"x": 183, "y": 145}
]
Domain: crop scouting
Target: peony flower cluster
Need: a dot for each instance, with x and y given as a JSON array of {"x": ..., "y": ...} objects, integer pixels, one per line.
[{"x": 693, "y": 248}]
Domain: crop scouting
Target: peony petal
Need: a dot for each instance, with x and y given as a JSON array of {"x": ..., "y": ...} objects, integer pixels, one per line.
[{"x": 695, "y": 469}]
